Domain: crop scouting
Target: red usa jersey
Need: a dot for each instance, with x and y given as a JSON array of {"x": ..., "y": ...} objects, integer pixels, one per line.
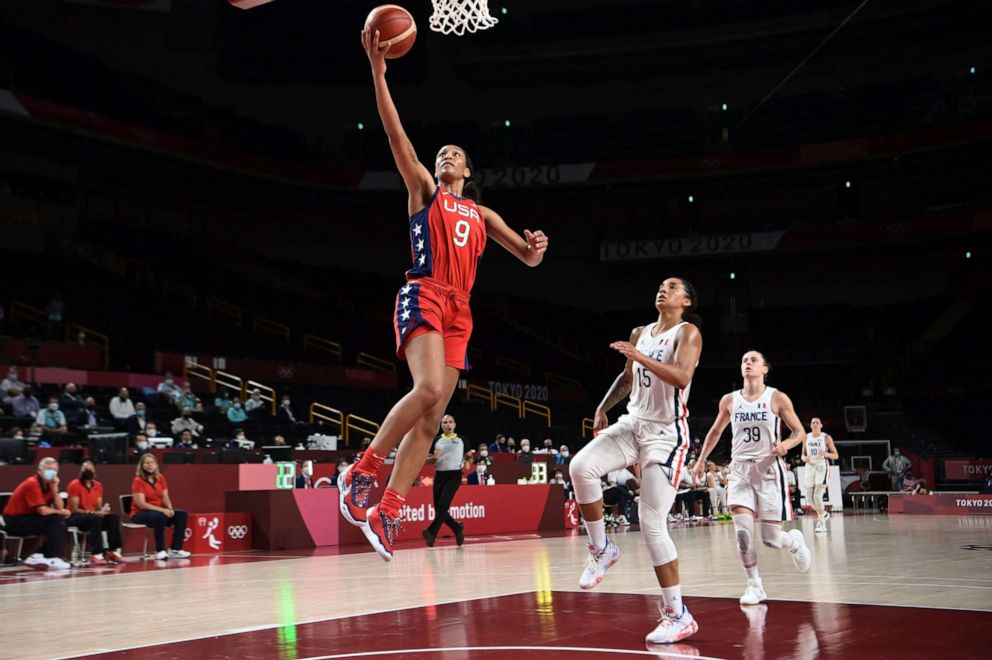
[{"x": 447, "y": 238}]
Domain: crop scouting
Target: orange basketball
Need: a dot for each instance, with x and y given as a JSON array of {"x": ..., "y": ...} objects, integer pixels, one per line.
[{"x": 395, "y": 26}]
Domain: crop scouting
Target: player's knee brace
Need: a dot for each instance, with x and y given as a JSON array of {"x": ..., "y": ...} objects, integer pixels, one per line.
[
  {"x": 773, "y": 536},
  {"x": 654, "y": 530},
  {"x": 586, "y": 483},
  {"x": 744, "y": 527},
  {"x": 818, "y": 497}
]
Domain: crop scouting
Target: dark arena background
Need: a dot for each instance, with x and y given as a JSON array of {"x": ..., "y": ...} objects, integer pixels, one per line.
[{"x": 198, "y": 203}]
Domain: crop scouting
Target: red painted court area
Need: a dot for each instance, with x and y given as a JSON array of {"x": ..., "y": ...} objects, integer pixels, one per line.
[{"x": 549, "y": 624}]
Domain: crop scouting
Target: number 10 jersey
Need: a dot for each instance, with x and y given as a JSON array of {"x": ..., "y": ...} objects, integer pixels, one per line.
[{"x": 754, "y": 425}]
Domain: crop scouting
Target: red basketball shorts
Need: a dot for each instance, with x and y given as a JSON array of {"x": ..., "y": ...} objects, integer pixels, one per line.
[{"x": 426, "y": 305}]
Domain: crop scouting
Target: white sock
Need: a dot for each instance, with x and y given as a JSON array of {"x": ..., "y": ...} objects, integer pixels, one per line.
[
  {"x": 672, "y": 597},
  {"x": 596, "y": 529},
  {"x": 752, "y": 573}
]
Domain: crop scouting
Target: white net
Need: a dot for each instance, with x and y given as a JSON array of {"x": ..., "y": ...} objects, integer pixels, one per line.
[{"x": 461, "y": 16}]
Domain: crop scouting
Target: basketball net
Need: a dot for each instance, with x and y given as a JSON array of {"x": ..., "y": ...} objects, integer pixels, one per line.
[{"x": 460, "y": 16}]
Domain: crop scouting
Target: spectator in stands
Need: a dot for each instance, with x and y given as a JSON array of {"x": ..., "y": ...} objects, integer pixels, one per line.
[
  {"x": 341, "y": 467},
  {"x": 185, "y": 422},
  {"x": 121, "y": 407},
  {"x": 482, "y": 454},
  {"x": 185, "y": 441},
  {"x": 563, "y": 456},
  {"x": 236, "y": 413},
  {"x": 70, "y": 403},
  {"x": 525, "y": 455},
  {"x": 986, "y": 488},
  {"x": 168, "y": 389},
  {"x": 864, "y": 479},
  {"x": 285, "y": 412},
  {"x": 305, "y": 477},
  {"x": 896, "y": 466},
  {"x": 279, "y": 441},
  {"x": 254, "y": 402},
  {"x": 140, "y": 444},
  {"x": 499, "y": 444},
  {"x": 618, "y": 496},
  {"x": 222, "y": 402},
  {"x": 24, "y": 404},
  {"x": 91, "y": 514},
  {"x": 558, "y": 478},
  {"x": 36, "y": 508},
  {"x": 511, "y": 446},
  {"x": 716, "y": 487},
  {"x": 89, "y": 416},
  {"x": 186, "y": 398},
  {"x": 909, "y": 482},
  {"x": 547, "y": 448},
  {"x": 793, "y": 485},
  {"x": 11, "y": 382},
  {"x": 235, "y": 442},
  {"x": 920, "y": 488},
  {"x": 137, "y": 422},
  {"x": 151, "y": 429},
  {"x": 480, "y": 475},
  {"x": 152, "y": 507},
  {"x": 51, "y": 419},
  {"x": 366, "y": 443},
  {"x": 16, "y": 432}
]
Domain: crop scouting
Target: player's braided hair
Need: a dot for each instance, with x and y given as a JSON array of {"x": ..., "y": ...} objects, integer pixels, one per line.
[
  {"x": 471, "y": 188},
  {"x": 690, "y": 293}
]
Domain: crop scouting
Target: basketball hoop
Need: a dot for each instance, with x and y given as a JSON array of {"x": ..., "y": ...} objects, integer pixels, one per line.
[{"x": 460, "y": 16}]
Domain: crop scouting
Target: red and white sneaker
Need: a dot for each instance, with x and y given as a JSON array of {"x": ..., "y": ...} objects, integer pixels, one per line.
[
  {"x": 381, "y": 531},
  {"x": 672, "y": 628},
  {"x": 114, "y": 556},
  {"x": 598, "y": 562},
  {"x": 354, "y": 489},
  {"x": 98, "y": 560}
]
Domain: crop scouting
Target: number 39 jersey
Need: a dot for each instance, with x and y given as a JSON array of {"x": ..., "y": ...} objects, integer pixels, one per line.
[
  {"x": 447, "y": 239},
  {"x": 651, "y": 398},
  {"x": 754, "y": 426}
]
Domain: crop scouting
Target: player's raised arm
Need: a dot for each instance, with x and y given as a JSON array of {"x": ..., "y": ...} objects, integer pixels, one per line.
[
  {"x": 529, "y": 248},
  {"x": 619, "y": 389},
  {"x": 419, "y": 182},
  {"x": 782, "y": 406}
]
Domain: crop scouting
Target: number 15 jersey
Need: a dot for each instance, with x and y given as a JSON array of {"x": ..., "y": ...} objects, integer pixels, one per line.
[
  {"x": 651, "y": 398},
  {"x": 447, "y": 237},
  {"x": 754, "y": 425}
]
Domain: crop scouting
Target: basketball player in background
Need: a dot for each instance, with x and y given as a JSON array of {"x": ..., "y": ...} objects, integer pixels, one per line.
[
  {"x": 661, "y": 360},
  {"x": 757, "y": 474},
  {"x": 818, "y": 449},
  {"x": 448, "y": 231}
]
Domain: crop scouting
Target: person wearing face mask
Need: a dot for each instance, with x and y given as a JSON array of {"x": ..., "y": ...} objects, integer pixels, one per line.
[
  {"x": 896, "y": 465},
  {"x": 480, "y": 475},
  {"x": 305, "y": 478},
  {"x": 547, "y": 448},
  {"x": 482, "y": 454},
  {"x": 185, "y": 441},
  {"x": 186, "y": 423},
  {"x": 499, "y": 445},
  {"x": 153, "y": 508},
  {"x": 236, "y": 413},
  {"x": 563, "y": 455},
  {"x": 511, "y": 446},
  {"x": 285, "y": 412},
  {"x": 168, "y": 389},
  {"x": 341, "y": 467},
  {"x": 25, "y": 404},
  {"x": 11, "y": 382},
  {"x": 138, "y": 422},
  {"x": 91, "y": 514},
  {"x": 235, "y": 442},
  {"x": 186, "y": 398},
  {"x": 51, "y": 419},
  {"x": 88, "y": 416},
  {"x": 447, "y": 459},
  {"x": 35, "y": 508},
  {"x": 70, "y": 402},
  {"x": 525, "y": 455}
]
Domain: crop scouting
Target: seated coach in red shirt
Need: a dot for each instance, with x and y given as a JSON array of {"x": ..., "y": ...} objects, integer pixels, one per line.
[
  {"x": 92, "y": 515},
  {"x": 152, "y": 506},
  {"x": 36, "y": 508}
]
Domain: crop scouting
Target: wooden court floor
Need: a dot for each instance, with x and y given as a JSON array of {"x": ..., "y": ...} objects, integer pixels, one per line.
[{"x": 878, "y": 585}]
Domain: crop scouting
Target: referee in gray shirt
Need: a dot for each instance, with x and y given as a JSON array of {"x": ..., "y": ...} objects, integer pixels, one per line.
[{"x": 448, "y": 453}]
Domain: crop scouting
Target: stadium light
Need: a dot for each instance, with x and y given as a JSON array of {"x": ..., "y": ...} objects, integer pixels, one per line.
[
  {"x": 733, "y": 276},
  {"x": 724, "y": 106},
  {"x": 361, "y": 126},
  {"x": 503, "y": 10},
  {"x": 691, "y": 199},
  {"x": 506, "y": 123},
  {"x": 967, "y": 255},
  {"x": 971, "y": 70},
  {"x": 847, "y": 184}
]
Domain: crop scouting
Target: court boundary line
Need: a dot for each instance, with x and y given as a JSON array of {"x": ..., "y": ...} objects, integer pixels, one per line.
[{"x": 573, "y": 649}]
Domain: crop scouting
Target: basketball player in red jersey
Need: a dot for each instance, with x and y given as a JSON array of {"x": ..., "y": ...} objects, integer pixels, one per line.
[{"x": 448, "y": 232}]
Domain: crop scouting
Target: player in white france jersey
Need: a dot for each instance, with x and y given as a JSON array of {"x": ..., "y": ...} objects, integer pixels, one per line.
[
  {"x": 661, "y": 360},
  {"x": 818, "y": 449},
  {"x": 758, "y": 485}
]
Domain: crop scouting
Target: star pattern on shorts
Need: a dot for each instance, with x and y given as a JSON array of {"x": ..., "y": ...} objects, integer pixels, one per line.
[{"x": 417, "y": 228}]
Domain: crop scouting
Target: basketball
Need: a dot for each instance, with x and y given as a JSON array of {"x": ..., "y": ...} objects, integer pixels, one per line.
[{"x": 396, "y": 28}]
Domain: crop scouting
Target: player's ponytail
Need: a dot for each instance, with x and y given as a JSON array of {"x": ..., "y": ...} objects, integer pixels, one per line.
[
  {"x": 687, "y": 313},
  {"x": 470, "y": 188}
]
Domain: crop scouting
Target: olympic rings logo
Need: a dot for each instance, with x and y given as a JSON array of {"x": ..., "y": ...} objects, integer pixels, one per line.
[{"x": 237, "y": 532}]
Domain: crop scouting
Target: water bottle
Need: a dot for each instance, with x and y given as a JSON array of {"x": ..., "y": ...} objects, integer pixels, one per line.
[{"x": 268, "y": 460}]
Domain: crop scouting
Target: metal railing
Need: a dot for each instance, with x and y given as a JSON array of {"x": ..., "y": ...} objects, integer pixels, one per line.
[
  {"x": 322, "y": 345},
  {"x": 229, "y": 382},
  {"x": 360, "y": 424},
  {"x": 508, "y": 401},
  {"x": 193, "y": 370},
  {"x": 372, "y": 362},
  {"x": 224, "y": 309},
  {"x": 479, "y": 392},
  {"x": 23, "y": 312},
  {"x": 264, "y": 326},
  {"x": 586, "y": 426},
  {"x": 327, "y": 414},
  {"x": 536, "y": 409},
  {"x": 267, "y": 393},
  {"x": 179, "y": 290}
]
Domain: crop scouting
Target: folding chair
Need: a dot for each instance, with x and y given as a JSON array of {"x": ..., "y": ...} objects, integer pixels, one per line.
[
  {"x": 78, "y": 555},
  {"x": 126, "y": 512},
  {"x": 4, "y": 497}
]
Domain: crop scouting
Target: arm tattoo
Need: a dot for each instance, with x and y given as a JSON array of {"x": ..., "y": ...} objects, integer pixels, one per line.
[{"x": 617, "y": 392}]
